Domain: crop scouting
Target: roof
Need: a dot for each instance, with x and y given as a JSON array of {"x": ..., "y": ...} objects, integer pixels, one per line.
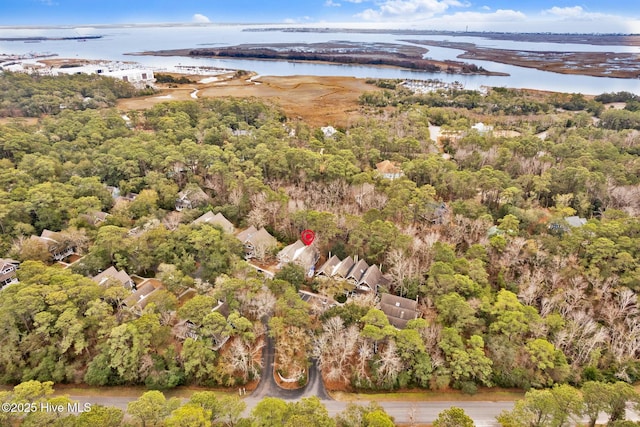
[
  {"x": 372, "y": 278},
  {"x": 217, "y": 219},
  {"x": 49, "y": 235},
  {"x": 244, "y": 235},
  {"x": 192, "y": 195},
  {"x": 96, "y": 217},
  {"x": 575, "y": 221},
  {"x": 288, "y": 253},
  {"x": 344, "y": 267},
  {"x": 388, "y": 167},
  {"x": 399, "y": 310},
  {"x": 358, "y": 271},
  {"x": 301, "y": 254},
  {"x": 140, "y": 297},
  {"x": 113, "y": 273},
  {"x": 261, "y": 237},
  {"x": 307, "y": 257},
  {"x": 329, "y": 267}
]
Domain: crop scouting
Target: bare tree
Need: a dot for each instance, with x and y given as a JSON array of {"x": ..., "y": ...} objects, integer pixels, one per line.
[
  {"x": 390, "y": 364},
  {"x": 242, "y": 357}
]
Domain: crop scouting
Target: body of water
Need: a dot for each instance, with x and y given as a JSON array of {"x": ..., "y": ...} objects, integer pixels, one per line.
[{"x": 117, "y": 41}]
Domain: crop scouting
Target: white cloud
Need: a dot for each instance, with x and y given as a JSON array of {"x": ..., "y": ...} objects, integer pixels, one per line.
[
  {"x": 578, "y": 13},
  {"x": 485, "y": 7},
  {"x": 200, "y": 18},
  {"x": 409, "y": 9},
  {"x": 566, "y": 11},
  {"x": 331, "y": 3}
]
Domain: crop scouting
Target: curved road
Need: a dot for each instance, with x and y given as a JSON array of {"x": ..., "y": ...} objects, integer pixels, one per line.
[{"x": 269, "y": 388}]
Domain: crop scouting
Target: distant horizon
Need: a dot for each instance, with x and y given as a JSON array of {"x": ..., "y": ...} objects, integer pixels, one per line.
[
  {"x": 277, "y": 25},
  {"x": 506, "y": 16}
]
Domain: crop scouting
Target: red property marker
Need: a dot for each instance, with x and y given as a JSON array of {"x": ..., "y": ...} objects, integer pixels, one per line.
[{"x": 307, "y": 237}]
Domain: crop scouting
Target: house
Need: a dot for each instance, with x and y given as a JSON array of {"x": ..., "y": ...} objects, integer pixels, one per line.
[
  {"x": 357, "y": 272},
  {"x": 342, "y": 270},
  {"x": 56, "y": 244},
  {"x": 371, "y": 279},
  {"x": 399, "y": 310},
  {"x": 257, "y": 243},
  {"x": 300, "y": 254},
  {"x": 138, "y": 300},
  {"x": 575, "y": 221},
  {"x": 95, "y": 218},
  {"x": 138, "y": 77},
  {"x": 217, "y": 219},
  {"x": 191, "y": 197},
  {"x": 328, "y": 131},
  {"x": 440, "y": 213},
  {"x": 482, "y": 128},
  {"x": 566, "y": 225},
  {"x": 329, "y": 268},
  {"x": 113, "y": 274},
  {"x": 389, "y": 170},
  {"x": 8, "y": 269},
  {"x": 244, "y": 235},
  {"x": 188, "y": 329}
]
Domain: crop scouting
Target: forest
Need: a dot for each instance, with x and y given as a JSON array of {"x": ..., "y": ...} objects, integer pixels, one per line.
[{"x": 510, "y": 292}]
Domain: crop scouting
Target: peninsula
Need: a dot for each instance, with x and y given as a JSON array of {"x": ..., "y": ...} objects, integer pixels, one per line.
[{"x": 340, "y": 52}]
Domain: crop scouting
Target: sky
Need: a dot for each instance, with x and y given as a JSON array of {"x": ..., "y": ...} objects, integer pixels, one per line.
[{"x": 585, "y": 16}]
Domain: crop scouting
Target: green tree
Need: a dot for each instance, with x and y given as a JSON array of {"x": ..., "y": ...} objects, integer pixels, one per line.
[
  {"x": 152, "y": 408},
  {"x": 453, "y": 417},
  {"x": 545, "y": 408},
  {"x": 270, "y": 411},
  {"x": 189, "y": 415},
  {"x": 209, "y": 402},
  {"x": 99, "y": 415}
]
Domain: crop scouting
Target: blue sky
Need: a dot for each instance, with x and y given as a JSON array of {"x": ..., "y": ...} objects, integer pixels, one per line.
[{"x": 477, "y": 15}]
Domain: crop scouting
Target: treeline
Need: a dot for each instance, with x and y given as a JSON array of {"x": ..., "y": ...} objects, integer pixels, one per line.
[
  {"x": 32, "y": 95},
  {"x": 202, "y": 409},
  {"x": 168, "y": 78},
  {"x": 564, "y": 405},
  {"x": 369, "y": 59}
]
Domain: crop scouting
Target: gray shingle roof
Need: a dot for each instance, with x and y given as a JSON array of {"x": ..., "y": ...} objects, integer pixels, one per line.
[{"x": 399, "y": 310}]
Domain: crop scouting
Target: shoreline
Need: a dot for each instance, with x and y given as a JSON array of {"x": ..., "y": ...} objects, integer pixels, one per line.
[{"x": 343, "y": 53}]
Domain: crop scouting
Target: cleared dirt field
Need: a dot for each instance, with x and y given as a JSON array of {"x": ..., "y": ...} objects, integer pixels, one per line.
[{"x": 317, "y": 100}]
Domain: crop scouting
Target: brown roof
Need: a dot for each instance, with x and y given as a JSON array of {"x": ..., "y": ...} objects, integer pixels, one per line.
[
  {"x": 50, "y": 235},
  {"x": 399, "y": 310},
  {"x": 387, "y": 166},
  {"x": 217, "y": 219},
  {"x": 140, "y": 297},
  {"x": 113, "y": 273}
]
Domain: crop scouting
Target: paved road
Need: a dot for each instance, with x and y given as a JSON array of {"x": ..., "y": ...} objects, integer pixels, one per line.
[
  {"x": 483, "y": 413},
  {"x": 269, "y": 388}
]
